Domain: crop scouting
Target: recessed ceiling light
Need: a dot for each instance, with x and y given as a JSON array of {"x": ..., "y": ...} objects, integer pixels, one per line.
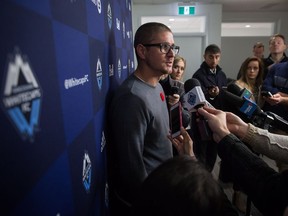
[
  {"x": 187, "y": 24},
  {"x": 236, "y": 29}
]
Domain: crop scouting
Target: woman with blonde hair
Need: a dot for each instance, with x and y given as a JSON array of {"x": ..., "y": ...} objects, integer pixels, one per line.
[{"x": 178, "y": 69}]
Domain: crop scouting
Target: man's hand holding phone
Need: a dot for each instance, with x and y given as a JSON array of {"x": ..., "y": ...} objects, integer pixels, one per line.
[
  {"x": 266, "y": 94},
  {"x": 173, "y": 99}
]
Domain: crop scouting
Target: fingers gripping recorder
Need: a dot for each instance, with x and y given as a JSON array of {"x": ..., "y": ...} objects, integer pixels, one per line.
[{"x": 193, "y": 99}]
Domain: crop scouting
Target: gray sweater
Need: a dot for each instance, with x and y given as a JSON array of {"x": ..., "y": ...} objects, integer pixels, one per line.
[
  {"x": 138, "y": 129},
  {"x": 274, "y": 146}
]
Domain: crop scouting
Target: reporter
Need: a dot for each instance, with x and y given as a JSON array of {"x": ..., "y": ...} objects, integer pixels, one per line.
[{"x": 267, "y": 188}]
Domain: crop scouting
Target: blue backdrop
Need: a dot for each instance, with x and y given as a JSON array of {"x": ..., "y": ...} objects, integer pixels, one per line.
[{"x": 60, "y": 61}]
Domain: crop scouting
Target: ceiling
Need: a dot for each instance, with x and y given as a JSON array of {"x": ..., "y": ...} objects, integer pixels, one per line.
[{"x": 232, "y": 5}]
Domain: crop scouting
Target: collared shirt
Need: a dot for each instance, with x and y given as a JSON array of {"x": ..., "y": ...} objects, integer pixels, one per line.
[{"x": 213, "y": 71}]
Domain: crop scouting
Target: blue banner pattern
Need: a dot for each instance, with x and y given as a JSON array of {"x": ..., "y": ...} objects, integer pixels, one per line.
[{"x": 60, "y": 62}]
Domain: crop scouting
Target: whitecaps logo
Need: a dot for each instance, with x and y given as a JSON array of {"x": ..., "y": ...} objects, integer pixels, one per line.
[
  {"x": 106, "y": 195},
  {"x": 111, "y": 70},
  {"x": 129, "y": 65},
  {"x": 132, "y": 65},
  {"x": 72, "y": 82},
  {"x": 128, "y": 34},
  {"x": 22, "y": 96},
  {"x": 124, "y": 36},
  {"x": 129, "y": 7},
  {"x": 109, "y": 15},
  {"x": 103, "y": 141},
  {"x": 87, "y": 172},
  {"x": 118, "y": 24},
  {"x": 98, "y": 4},
  {"x": 119, "y": 68},
  {"x": 99, "y": 74}
]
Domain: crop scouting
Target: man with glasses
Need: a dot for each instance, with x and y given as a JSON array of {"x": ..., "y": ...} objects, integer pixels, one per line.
[{"x": 138, "y": 120}]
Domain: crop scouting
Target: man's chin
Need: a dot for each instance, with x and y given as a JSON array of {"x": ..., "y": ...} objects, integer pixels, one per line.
[{"x": 167, "y": 72}]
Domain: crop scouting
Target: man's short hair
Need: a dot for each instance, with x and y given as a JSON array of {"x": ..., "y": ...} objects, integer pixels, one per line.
[
  {"x": 145, "y": 33},
  {"x": 277, "y": 35},
  {"x": 258, "y": 45},
  {"x": 212, "y": 48}
]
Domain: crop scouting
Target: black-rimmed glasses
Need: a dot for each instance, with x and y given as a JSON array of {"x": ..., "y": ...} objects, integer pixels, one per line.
[{"x": 164, "y": 48}]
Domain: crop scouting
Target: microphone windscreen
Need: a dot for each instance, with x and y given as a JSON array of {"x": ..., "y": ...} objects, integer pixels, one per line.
[
  {"x": 234, "y": 89},
  {"x": 232, "y": 99},
  {"x": 185, "y": 118},
  {"x": 190, "y": 84},
  {"x": 174, "y": 90}
]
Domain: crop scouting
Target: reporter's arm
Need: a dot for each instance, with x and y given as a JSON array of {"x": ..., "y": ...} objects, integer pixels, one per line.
[
  {"x": 274, "y": 146},
  {"x": 216, "y": 121},
  {"x": 236, "y": 125}
]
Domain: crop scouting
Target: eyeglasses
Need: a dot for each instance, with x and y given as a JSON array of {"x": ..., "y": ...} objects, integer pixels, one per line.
[{"x": 164, "y": 48}]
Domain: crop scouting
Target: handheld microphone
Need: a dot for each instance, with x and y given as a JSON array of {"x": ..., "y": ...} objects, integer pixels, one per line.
[
  {"x": 194, "y": 97},
  {"x": 246, "y": 93},
  {"x": 245, "y": 105},
  {"x": 174, "y": 90},
  {"x": 235, "y": 89},
  {"x": 204, "y": 145},
  {"x": 185, "y": 114},
  {"x": 278, "y": 122},
  {"x": 249, "y": 110}
]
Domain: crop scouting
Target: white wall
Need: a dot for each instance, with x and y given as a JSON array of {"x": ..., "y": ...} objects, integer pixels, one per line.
[{"x": 190, "y": 47}]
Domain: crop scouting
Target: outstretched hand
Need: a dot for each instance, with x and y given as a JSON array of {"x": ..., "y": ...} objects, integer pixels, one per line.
[
  {"x": 183, "y": 143},
  {"x": 216, "y": 121},
  {"x": 236, "y": 125}
]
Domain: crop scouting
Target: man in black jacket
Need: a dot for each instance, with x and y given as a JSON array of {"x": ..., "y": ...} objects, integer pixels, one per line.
[{"x": 211, "y": 76}]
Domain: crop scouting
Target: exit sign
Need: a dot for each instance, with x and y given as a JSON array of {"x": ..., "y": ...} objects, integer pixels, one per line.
[{"x": 186, "y": 10}]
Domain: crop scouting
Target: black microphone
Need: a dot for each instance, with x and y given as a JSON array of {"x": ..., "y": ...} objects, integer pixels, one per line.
[
  {"x": 249, "y": 110},
  {"x": 185, "y": 114},
  {"x": 190, "y": 84},
  {"x": 193, "y": 99},
  {"x": 243, "y": 104},
  {"x": 235, "y": 89},
  {"x": 204, "y": 146},
  {"x": 174, "y": 90},
  {"x": 278, "y": 122}
]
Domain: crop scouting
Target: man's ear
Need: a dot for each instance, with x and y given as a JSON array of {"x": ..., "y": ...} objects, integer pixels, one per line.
[{"x": 141, "y": 51}]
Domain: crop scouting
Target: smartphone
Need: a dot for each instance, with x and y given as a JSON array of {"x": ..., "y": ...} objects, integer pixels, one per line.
[
  {"x": 175, "y": 119},
  {"x": 266, "y": 93}
]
